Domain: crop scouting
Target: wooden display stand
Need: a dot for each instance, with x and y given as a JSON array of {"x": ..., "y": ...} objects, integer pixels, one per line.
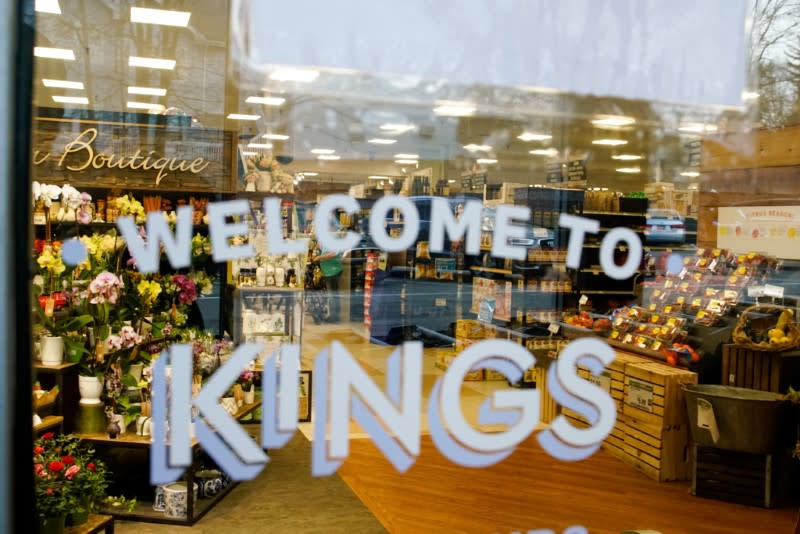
[
  {"x": 94, "y": 525},
  {"x": 765, "y": 371}
]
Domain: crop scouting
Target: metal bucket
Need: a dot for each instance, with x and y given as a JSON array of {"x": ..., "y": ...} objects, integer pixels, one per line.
[{"x": 739, "y": 419}]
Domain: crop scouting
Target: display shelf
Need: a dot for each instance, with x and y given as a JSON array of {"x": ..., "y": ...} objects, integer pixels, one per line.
[
  {"x": 606, "y": 292},
  {"x": 494, "y": 270},
  {"x": 49, "y": 422},
  {"x": 53, "y": 369},
  {"x": 613, "y": 213},
  {"x": 94, "y": 524}
]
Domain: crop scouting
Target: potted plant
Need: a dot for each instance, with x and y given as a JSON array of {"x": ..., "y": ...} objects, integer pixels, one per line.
[{"x": 247, "y": 380}]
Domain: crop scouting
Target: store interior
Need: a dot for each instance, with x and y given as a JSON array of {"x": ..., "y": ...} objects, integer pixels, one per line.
[{"x": 138, "y": 112}]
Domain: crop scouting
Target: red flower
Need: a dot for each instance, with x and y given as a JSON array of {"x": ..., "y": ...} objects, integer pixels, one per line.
[
  {"x": 55, "y": 466},
  {"x": 38, "y": 245},
  {"x": 68, "y": 460},
  {"x": 48, "y": 435},
  {"x": 38, "y": 470},
  {"x": 49, "y": 491},
  {"x": 38, "y": 450},
  {"x": 91, "y": 467},
  {"x": 72, "y": 471}
]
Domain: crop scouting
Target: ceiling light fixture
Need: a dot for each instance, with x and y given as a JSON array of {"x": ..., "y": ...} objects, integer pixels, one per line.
[
  {"x": 310, "y": 173},
  {"x": 151, "y": 63},
  {"x": 62, "y": 84},
  {"x": 266, "y": 100},
  {"x": 323, "y": 151},
  {"x": 70, "y": 99},
  {"x": 329, "y": 157},
  {"x": 249, "y": 153},
  {"x": 151, "y": 91},
  {"x": 749, "y": 95},
  {"x": 548, "y": 152},
  {"x": 697, "y": 128},
  {"x": 397, "y": 128},
  {"x": 627, "y": 157},
  {"x": 294, "y": 75},
  {"x": 455, "y": 109},
  {"x": 451, "y": 181},
  {"x": 472, "y": 147},
  {"x": 243, "y": 117},
  {"x": 259, "y": 145},
  {"x": 377, "y": 177},
  {"x": 530, "y": 136},
  {"x": 54, "y": 53},
  {"x": 406, "y": 156},
  {"x": 690, "y": 174},
  {"x": 48, "y": 6},
  {"x": 406, "y": 161},
  {"x": 486, "y": 161},
  {"x": 629, "y": 170},
  {"x": 609, "y": 142},
  {"x": 613, "y": 121},
  {"x": 275, "y": 137},
  {"x": 163, "y": 17},
  {"x": 380, "y": 141},
  {"x": 145, "y": 105}
]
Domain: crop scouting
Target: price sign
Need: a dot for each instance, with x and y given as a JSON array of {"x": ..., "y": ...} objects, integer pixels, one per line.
[
  {"x": 640, "y": 395},
  {"x": 486, "y": 312},
  {"x": 773, "y": 291},
  {"x": 583, "y": 300},
  {"x": 604, "y": 381},
  {"x": 554, "y": 174},
  {"x": 755, "y": 291},
  {"x": 576, "y": 171},
  {"x": 553, "y": 328}
]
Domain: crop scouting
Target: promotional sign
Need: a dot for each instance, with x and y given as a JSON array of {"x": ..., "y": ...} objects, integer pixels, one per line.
[{"x": 772, "y": 230}]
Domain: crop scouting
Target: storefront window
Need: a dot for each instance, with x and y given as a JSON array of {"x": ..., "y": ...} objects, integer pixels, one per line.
[{"x": 541, "y": 277}]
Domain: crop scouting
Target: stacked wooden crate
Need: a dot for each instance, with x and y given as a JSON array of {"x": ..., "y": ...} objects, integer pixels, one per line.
[{"x": 657, "y": 428}]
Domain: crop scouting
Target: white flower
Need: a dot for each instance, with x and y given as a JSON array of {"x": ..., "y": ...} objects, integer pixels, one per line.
[
  {"x": 70, "y": 197},
  {"x": 45, "y": 192}
]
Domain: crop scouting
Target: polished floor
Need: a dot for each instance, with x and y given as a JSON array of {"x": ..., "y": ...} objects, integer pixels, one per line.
[{"x": 527, "y": 491}]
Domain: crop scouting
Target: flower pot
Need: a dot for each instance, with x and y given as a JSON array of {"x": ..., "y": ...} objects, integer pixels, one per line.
[
  {"x": 176, "y": 499},
  {"x": 230, "y": 405},
  {"x": 52, "y": 350},
  {"x": 51, "y": 525},
  {"x": 91, "y": 388},
  {"x": 135, "y": 370},
  {"x": 250, "y": 395},
  {"x": 79, "y": 516}
]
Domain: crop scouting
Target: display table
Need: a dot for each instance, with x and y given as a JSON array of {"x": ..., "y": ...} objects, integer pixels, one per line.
[
  {"x": 95, "y": 524},
  {"x": 144, "y": 509}
]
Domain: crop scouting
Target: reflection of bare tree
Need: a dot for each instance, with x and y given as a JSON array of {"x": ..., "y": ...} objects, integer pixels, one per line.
[{"x": 774, "y": 25}]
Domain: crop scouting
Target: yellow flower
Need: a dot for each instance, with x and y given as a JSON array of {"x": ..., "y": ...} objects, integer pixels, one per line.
[{"x": 149, "y": 291}]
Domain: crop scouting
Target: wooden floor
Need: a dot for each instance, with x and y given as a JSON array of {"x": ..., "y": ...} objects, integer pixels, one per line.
[{"x": 530, "y": 490}]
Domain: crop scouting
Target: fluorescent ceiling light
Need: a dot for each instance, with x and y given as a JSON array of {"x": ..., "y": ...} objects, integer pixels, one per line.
[
  {"x": 406, "y": 156},
  {"x": 451, "y": 181},
  {"x": 697, "y": 127},
  {"x": 164, "y": 17},
  {"x": 455, "y": 109},
  {"x": 243, "y": 117},
  {"x": 627, "y": 157},
  {"x": 71, "y": 99},
  {"x": 629, "y": 170},
  {"x": 294, "y": 75},
  {"x": 749, "y": 95},
  {"x": 406, "y": 161},
  {"x": 530, "y": 136},
  {"x": 48, "y": 6},
  {"x": 249, "y": 153},
  {"x": 309, "y": 173},
  {"x": 475, "y": 148},
  {"x": 397, "y": 128},
  {"x": 151, "y": 63},
  {"x": 151, "y": 91},
  {"x": 54, "y": 53},
  {"x": 266, "y": 100},
  {"x": 62, "y": 84},
  {"x": 323, "y": 151},
  {"x": 259, "y": 145},
  {"x": 380, "y": 141},
  {"x": 609, "y": 142},
  {"x": 549, "y": 152},
  {"x": 613, "y": 121},
  {"x": 486, "y": 161},
  {"x": 377, "y": 177},
  {"x": 690, "y": 174},
  {"x": 145, "y": 105},
  {"x": 329, "y": 157},
  {"x": 275, "y": 137}
]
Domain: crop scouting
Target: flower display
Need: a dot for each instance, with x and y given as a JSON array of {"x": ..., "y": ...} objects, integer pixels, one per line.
[
  {"x": 185, "y": 289},
  {"x": 104, "y": 288},
  {"x": 148, "y": 290},
  {"x": 45, "y": 193},
  {"x": 126, "y": 205}
]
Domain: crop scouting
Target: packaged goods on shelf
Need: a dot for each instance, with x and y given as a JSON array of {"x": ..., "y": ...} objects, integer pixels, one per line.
[
  {"x": 443, "y": 359},
  {"x": 660, "y": 195},
  {"x": 470, "y": 329},
  {"x": 490, "y": 289}
]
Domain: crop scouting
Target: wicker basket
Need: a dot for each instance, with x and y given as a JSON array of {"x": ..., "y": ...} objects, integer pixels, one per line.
[{"x": 761, "y": 318}]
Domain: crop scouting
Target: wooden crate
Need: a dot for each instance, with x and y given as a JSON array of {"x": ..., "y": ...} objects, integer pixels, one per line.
[
  {"x": 469, "y": 329},
  {"x": 765, "y": 371},
  {"x": 660, "y": 453},
  {"x": 750, "y": 479},
  {"x": 653, "y": 393}
]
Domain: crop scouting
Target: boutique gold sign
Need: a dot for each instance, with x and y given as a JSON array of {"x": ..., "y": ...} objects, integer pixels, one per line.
[{"x": 85, "y": 157}]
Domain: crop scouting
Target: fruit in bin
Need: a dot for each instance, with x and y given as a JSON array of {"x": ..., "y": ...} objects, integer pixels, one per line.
[
  {"x": 784, "y": 319},
  {"x": 602, "y": 325}
]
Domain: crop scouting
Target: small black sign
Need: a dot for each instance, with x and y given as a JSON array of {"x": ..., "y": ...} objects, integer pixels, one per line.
[
  {"x": 694, "y": 150},
  {"x": 576, "y": 171},
  {"x": 554, "y": 174}
]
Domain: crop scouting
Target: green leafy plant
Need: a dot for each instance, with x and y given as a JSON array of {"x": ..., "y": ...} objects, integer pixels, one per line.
[{"x": 120, "y": 502}]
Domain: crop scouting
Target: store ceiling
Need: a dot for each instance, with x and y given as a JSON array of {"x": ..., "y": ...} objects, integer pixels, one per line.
[{"x": 343, "y": 112}]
